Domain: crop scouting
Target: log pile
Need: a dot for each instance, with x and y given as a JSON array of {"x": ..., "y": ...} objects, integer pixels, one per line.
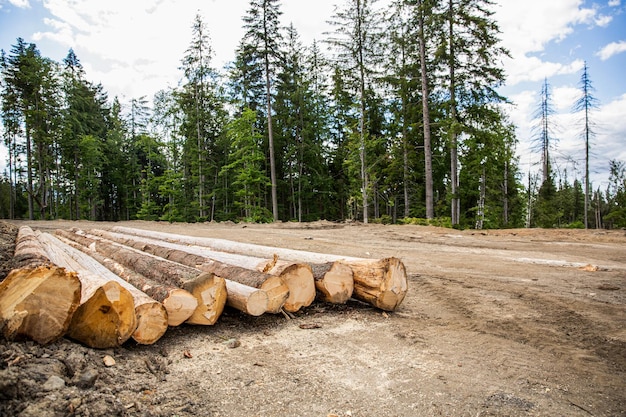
[{"x": 103, "y": 288}]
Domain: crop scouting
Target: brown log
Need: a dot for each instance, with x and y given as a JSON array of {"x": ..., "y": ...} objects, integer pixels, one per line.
[
  {"x": 179, "y": 304},
  {"x": 29, "y": 253},
  {"x": 106, "y": 316},
  {"x": 236, "y": 268},
  {"x": 381, "y": 282},
  {"x": 38, "y": 303},
  {"x": 208, "y": 289}
]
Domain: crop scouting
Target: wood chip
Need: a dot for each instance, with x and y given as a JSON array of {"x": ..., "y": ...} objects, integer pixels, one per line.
[{"x": 108, "y": 361}]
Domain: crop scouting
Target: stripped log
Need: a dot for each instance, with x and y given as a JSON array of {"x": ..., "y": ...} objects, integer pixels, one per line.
[
  {"x": 208, "y": 289},
  {"x": 151, "y": 314},
  {"x": 380, "y": 282},
  {"x": 37, "y": 298},
  {"x": 247, "y": 299},
  {"x": 106, "y": 316},
  {"x": 277, "y": 284},
  {"x": 179, "y": 303}
]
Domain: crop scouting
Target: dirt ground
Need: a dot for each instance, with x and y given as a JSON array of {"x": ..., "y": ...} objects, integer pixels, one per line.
[{"x": 495, "y": 323}]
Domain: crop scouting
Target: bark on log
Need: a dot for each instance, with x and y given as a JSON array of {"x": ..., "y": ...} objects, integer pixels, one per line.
[
  {"x": 381, "y": 282},
  {"x": 106, "y": 316},
  {"x": 236, "y": 268},
  {"x": 179, "y": 304},
  {"x": 38, "y": 303},
  {"x": 29, "y": 253},
  {"x": 208, "y": 289}
]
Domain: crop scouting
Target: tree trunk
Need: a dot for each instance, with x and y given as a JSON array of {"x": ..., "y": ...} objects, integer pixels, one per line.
[
  {"x": 179, "y": 304},
  {"x": 289, "y": 285},
  {"x": 106, "y": 316},
  {"x": 428, "y": 153},
  {"x": 151, "y": 314},
  {"x": 387, "y": 276}
]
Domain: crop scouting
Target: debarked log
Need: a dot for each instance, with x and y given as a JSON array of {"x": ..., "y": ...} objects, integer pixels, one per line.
[
  {"x": 106, "y": 316},
  {"x": 238, "y": 269},
  {"x": 179, "y": 303},
  {"x": 152, "y": 320}
]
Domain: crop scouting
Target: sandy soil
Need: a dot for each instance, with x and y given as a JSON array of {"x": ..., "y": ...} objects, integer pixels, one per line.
[{"x": 495, "y": 323}]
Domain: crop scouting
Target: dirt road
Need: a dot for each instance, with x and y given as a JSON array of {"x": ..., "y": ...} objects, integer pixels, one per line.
[{"x": 512, "y": 322}]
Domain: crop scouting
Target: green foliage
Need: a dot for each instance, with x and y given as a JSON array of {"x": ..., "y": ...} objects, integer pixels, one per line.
[
  {"x": 437, "y": 222},
  {"x": 348, "y": 134}
]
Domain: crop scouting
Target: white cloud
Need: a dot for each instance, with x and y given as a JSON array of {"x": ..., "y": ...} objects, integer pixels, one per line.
[
  {"x": 611, "y": 49},
  {"x": 614, "y": 3},
  {"x": 527, "y": 28},
  {"x": 22, "y": 4},
  {"x": 532, "y": 68}
]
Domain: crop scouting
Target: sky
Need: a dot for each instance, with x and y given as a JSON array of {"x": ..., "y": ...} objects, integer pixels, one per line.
[{"x": 134, "y": 48}]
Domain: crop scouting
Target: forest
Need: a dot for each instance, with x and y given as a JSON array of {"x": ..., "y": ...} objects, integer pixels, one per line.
[{"x": 393, "y": 117}]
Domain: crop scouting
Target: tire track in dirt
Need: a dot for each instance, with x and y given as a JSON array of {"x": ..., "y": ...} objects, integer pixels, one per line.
[{"x": 525, "y": 332}]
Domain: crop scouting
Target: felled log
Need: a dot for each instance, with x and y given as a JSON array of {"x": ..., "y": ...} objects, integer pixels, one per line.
[
  {"x": 38, "y": 303},
  {"x": 208, "y": 289},
  {"x": 380, "y": 282},
  {"x": 106, "y": 316},
  {"x": 235, "y": 268},
  {"x": 179, "y": 304},
  {"x": 37, "y": 298},
  {"x": 247, "y": 299},
  {"x": 151, "y": 315},
  {"x": 29, "y": 253},
  {"x": 334, "y": 281}
]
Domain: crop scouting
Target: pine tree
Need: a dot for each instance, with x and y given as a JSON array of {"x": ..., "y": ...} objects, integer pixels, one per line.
[
  {"x": 356, "y": 39},
  {"x": 469, "y": 49},
  {"x": 263, "y": 35},
  {"x": 586, "y": 104}
]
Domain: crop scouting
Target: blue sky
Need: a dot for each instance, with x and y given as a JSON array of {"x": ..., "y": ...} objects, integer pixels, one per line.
[{"x": 134, "y": 48}]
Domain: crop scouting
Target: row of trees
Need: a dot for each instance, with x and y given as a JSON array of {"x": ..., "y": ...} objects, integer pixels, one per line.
[{"x": 400, "y": 120}]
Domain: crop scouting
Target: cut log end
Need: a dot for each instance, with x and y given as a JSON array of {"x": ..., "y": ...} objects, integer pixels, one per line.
[
  {"x": 107, "y": 319},
  {"x": 299, "y": 280},
  {"x": 38, "y": 303},
  {"x": 382, "y": 283},
  {"x": 334, "y": 282},
  {"x": 151, "y": 323},
  {"x": 277, "y": 293},
  {"x": 210, "y": 292},
  {"x": 180, "y": 305},
  {"x": 246, "y": 299}
]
